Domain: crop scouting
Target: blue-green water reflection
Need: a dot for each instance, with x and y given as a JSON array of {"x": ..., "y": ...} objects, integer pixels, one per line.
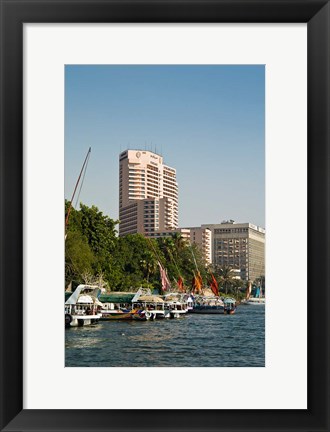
[{"x": 195, "y": 340}]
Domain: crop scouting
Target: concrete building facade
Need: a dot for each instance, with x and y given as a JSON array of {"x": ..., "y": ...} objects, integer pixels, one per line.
[
  {"x": 240, "y": 246},
  {"x": 148, "y": 194},
  {"x": 202, "y": 237}
]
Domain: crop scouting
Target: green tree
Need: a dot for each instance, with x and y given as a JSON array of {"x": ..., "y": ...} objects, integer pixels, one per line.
[
  {"x": 190, "y": 261},
  {"x": 170, "y": 260},
  {"x": 136, "y": 260},
  {"x": 126, "y": 263},
  {"x": 167, "y": 247},
  {"x": 74, "y": 223},
  {"x": 179, "y": 242},
  {"x": 100, "y": 233},
  {"x": 237, "y": 285},
  {"x": 226, "y": 277},
  {"x": 90, "y": 242},
  {"x": 99, "y": 230},
  {"x": 148, "y": 264},
  {"x": 78, "y": 257}
]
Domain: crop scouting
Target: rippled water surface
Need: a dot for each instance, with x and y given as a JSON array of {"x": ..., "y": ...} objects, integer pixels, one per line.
[{"x": 195, "y": 340}]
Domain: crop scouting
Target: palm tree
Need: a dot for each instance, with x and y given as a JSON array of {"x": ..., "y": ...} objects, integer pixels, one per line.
[
  {"x": 237, "y": 285},
  {"x": 226, "y": 274},
  {"x": 170, "y": 250},
  {"x": 167, "y": 246},
  {"x": 148, "y": 265},
  {"x": 179, "y": 242}
]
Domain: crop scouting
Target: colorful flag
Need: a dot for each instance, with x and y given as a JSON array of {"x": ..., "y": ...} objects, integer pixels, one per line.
[
  {"x": 200, "y": 280},
  {"x": 164, "y": 278},
  {"x": 214, "y": 285},
  {"x": 248, "y": 291},
  {"x": 180, "y": 284},
  {"x": 197, "y": 283}
]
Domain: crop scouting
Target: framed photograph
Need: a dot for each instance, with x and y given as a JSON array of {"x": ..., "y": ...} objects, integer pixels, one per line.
[{"x": 220, "y": 107}]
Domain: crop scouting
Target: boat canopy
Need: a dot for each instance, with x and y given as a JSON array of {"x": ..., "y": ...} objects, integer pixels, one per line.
[
  {"x": 150, "y": 298},
  {"x": 117, "y": 297},
  {"x": 85, "y": 299},
  {"x": 229, "y": 300},
  {"x": 172, "y": 297},
  {"x": 90, "y": 291}
]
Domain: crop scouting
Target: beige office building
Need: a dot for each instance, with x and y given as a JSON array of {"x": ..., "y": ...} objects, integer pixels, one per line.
[
  {"x": 240, "y": 246},
  {"x": 148, "y": 194},
  {"x": 202, "y": 238}
]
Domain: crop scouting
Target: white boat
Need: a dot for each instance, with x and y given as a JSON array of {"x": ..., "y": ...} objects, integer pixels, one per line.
[
  {"x": 229, "y": 306},
  {"x": 82, "y": 307},
  {"x": 175, "y": 305},
  {"x": 256, "y": 301},
  {"x": 116, "y": 305},
  {"x": 152, "y": 306},
  {"x": 208, "y": 305},
  {"x": 176, "y": 309},
  {"x": 190, "y": 304}
]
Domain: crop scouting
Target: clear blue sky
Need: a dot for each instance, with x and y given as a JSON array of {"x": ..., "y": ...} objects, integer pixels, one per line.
[{"x": 208, "y": 122}]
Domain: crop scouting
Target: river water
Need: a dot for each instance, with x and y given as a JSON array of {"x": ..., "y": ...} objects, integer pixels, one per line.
[{"x": 195, "y": 340}]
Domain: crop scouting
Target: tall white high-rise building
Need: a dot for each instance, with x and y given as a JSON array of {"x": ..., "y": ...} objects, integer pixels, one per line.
[{"x": 148, "y": 193}]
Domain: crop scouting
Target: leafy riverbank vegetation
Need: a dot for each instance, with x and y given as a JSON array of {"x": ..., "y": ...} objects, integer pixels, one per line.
[{"x": 93, "y": 251}]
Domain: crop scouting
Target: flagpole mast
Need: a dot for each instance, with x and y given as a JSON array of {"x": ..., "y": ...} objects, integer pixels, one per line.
[
  {"x": 75, "y": 189},
  {"x": 193, "y": 257}
]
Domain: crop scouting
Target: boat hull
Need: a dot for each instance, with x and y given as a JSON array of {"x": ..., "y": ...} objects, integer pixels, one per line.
[
  {"x": 177, "y": 313},
  {"x": 80, "y": 320},
  {"x": 152, "y": 314},
  {"x": 207, "y": 310},
  {"x": 230, "y": 311},
  {"x": 116, "y": 316},
  {"x": 139, "y": 316},
  {"x": 256, "y": 302}
]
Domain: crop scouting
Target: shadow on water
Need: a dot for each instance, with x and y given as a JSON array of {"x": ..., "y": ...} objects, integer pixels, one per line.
[{"x": 194, "y": 340}]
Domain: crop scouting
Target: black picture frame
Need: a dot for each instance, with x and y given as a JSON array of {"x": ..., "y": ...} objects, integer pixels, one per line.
[{"x": 13, "y": 14}]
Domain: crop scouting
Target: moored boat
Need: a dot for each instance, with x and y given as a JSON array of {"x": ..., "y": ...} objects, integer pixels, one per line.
[
  {"x": 116, "y": 306},
  {"x": 175, "y": 305},
  {"x": 229, "y": 306},
  {"x": 256, "y": 301},
  {"x": 139, "y": 315},
  {"x": 176, "y": 309},
  {"x": 208, "y": 305},
  {"x": 152, "y": 306},
  {"x": 190, "y": 304},
  {"x": 82, "y": 307},
  {"x": 258, "y": 297},
  {"x": 116, "y": 315}
]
